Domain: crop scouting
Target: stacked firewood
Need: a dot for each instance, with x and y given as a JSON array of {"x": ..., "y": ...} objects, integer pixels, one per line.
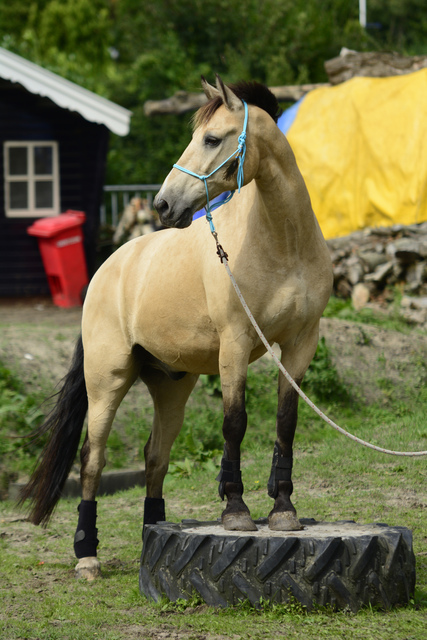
[{"x": 368, "y": 263}]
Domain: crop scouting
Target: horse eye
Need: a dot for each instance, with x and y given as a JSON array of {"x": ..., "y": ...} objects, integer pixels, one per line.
[{"x": 211, "y": 141}]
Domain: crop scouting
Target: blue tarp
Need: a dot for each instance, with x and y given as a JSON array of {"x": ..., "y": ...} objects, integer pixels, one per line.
[{"x": 287, "y": 118}]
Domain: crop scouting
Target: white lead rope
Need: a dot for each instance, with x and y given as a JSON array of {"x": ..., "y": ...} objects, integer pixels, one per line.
[{"x": 223, "y": 258}]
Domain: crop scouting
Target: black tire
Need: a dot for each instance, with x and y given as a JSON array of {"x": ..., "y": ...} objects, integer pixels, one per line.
[{"x": 343, "y": 564}]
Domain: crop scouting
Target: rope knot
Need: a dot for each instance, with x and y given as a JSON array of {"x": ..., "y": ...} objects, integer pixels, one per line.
[{"x": 242, "y": 140}]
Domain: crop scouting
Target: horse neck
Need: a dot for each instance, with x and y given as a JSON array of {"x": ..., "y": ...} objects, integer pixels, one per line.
[{"x": 283, "y": 203}]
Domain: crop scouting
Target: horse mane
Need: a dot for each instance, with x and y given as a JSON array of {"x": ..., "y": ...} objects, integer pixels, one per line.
[{"x": 251, "y": 92}]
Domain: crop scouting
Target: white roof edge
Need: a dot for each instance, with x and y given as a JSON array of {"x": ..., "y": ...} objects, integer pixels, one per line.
[{"x": 64, "y": 93}]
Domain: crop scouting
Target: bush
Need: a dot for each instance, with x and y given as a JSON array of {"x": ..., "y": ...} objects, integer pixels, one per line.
[{"x": 20, "y": 415}]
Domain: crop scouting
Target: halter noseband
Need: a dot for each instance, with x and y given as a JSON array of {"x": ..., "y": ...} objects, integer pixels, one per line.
[{"x": 239, "y": 153}]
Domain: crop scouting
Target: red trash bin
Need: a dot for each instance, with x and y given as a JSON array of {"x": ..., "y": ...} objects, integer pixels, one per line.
[{"x": 61, "y": 246}]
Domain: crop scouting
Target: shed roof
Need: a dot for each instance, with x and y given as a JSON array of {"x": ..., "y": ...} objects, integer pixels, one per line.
[{"x": 64, "y": 93}]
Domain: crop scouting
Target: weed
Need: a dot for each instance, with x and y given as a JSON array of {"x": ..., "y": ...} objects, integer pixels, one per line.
[
  {"x": 322, "y": 379},
  {"x": 199, "y": 453},
  {"x": 211, "y": 384},
  {"x": 344, "y": 310},
  {"x": 364, "y": 339},
  {"x": 180, "y": 605},
  {"x": 20, "y": 414}
]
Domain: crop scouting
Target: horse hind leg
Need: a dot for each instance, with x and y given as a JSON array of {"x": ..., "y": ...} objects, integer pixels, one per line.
[
  {"x": 170, "y": 395},
  {"x": 107, "y": 383}
]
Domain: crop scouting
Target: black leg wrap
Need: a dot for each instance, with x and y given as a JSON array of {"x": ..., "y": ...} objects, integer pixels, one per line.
[
  {"x": 230, "y": 472},
  {"x": 85, "y": 540},
  {"x": 281, "y": 469},
  {"x": 154, "y": 510}
]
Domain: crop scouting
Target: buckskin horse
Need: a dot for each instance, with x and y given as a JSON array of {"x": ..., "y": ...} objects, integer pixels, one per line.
[{"x": 162, "y": 308}]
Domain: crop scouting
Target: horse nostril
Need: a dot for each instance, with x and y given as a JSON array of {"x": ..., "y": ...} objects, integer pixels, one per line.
[{"x": 161, "y": 206}]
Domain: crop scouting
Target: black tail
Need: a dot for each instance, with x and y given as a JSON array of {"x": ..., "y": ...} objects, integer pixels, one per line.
[{"x": 65, "y": 424}]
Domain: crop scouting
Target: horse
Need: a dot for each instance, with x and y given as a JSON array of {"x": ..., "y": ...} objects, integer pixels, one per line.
[
  {"x": 137, "y": 219},
  {"x": 162, "y": 308}
]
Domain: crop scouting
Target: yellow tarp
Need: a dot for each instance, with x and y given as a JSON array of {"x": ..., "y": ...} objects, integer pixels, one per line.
[{"x": 362, "y": 149}]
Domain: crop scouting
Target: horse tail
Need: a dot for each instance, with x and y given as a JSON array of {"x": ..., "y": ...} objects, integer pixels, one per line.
[{"x": 64, "y": 425}]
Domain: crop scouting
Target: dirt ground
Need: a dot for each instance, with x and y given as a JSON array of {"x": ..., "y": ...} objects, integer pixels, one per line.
[{"x": 36, "y": 336}]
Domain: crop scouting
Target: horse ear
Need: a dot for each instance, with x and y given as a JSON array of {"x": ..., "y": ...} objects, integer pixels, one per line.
[
  {"x": 231, "y": 101},
  {"x": 210, "y": 91}
]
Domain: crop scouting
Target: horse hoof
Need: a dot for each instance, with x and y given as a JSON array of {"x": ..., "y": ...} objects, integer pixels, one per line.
[
  {"x": 238, "y": 522},
  {"x": 89, "y": 569},
  {"x": 284, "y": 521}
]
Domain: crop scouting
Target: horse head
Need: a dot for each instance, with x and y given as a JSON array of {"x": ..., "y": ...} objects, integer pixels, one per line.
[{"x": 209, "y": 165}]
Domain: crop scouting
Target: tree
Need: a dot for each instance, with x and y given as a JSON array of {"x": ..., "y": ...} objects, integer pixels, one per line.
[
  {"x": 399, "y": 25},
  {"x": 136, "y": 50},
  {"x": 69, "y": 37}
]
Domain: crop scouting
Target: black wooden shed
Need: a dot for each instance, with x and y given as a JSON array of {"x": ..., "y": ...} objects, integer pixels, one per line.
[{"x": 54, "y": 136}]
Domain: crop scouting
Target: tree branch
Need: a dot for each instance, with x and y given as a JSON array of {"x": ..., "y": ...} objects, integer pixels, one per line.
[{"x": 183, "y": 102}]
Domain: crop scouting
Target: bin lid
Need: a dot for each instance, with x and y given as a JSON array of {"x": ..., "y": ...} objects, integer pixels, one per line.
[{"x": 49, "y": 227}]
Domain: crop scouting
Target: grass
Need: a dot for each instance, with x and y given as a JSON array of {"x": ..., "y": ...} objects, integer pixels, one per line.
[
  {"x": 391, "y": 319},
  {"x": 334, "y": 479}
]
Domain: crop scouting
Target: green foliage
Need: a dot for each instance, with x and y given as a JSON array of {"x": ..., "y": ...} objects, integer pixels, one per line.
[
  {"x": 400, "y": 25},
  {"x": 200, "y": 442},
  {"x": 132, "y": 52},
  {"x": 69, "y": 37},
  {"x": 199, "y": 455},
  {"x": 392, "y": 320},
  {"x": 322, "y": 380},
  {"x": 211, "y": 385},
  {"x": 19, "y": 416}
]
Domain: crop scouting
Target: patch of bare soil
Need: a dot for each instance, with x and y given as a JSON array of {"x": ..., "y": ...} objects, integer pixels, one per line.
[
  {"x": 375, "y": 362},
  {"x": 37, "y": 341}
]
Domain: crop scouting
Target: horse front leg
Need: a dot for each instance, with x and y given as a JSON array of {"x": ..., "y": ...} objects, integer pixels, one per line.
[
  {"x": 236, "y": 515},
  {"x": 283, "y": 516},
  {"x": 296, "y": 359}
]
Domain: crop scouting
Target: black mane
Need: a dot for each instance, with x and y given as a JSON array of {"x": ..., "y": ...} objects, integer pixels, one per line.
[
  {"x": 251, "y": 92},
  {"x": 259, "y": 95}
]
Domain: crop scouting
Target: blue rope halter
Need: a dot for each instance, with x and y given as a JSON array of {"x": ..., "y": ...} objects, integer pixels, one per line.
[{"x": 239, "y": 153}]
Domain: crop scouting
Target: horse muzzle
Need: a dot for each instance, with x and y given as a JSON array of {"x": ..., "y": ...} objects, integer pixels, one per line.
[{"x": 171, "y": 216}]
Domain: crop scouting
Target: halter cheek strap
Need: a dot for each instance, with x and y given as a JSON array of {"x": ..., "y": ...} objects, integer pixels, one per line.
[{"x": 239, "y": 153}]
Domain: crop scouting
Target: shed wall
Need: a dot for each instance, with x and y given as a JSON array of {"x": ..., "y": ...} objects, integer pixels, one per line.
[{"x": 82, "y": 157}]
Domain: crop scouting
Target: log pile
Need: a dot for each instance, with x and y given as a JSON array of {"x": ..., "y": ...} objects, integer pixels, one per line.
[
  {"x": 368, "y": 263},
  {"x": 183, "y": 101},
  {"x": 371, "y": 64}
]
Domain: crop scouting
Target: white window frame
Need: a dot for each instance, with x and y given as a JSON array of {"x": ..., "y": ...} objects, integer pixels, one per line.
[{"x": 31, "y": 178}]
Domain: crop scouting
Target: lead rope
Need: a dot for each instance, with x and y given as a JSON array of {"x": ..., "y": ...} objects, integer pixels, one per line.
[{"x": 224, "y": 259}]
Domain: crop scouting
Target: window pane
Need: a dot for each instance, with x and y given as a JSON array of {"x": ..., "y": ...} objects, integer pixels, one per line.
[
  {"x": 44, "y": 195},
  {"x": 18, "y": 163},
  {"x": 18, "y": 195},
  {"x": 43, "y": 161}
]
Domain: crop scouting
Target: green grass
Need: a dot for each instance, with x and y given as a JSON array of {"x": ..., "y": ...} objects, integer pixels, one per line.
[{"x": 391, "y": 319}]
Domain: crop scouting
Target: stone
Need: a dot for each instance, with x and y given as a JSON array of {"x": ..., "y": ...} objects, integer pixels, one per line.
[{"x": 360, "y": 296}]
